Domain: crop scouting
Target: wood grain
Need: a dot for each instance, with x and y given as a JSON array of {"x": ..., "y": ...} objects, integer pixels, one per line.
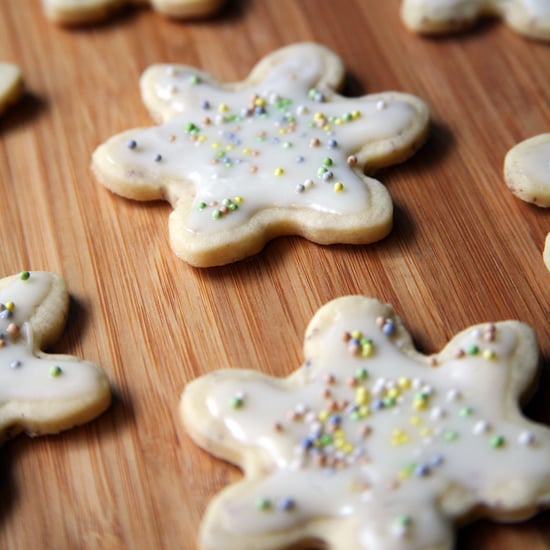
[{"x": 463, "y": 249}]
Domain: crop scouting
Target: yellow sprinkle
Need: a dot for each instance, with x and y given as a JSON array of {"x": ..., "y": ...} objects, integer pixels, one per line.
[
  {"x": 356, "y": 114},
  {"x": 246, "y": 150},
  {"x": 338, "y": 121},
  {"x": 356, "y": 334},
  {"x": 348, "y": 448},
  {"x": 202, "y": 137},
  {"x": 362, "y": 396},
  {"x": 425, "y": 432},
  {"x": 416, "y": 420},
  {"x": 487, "y": 354},
  {"x": 282, "y": 130},
  {"x": 364, "y": 411},
  {"x": 367, "y": 350},
  {"x": 223, "y": 108},
  {"x": 327, "y": 127},
  {"x": 259, "y": 102},
  {"x": 419, "y": 404},
  {"x": 399, "y": 437},
  {"x": 279, "y": 171},
  {"x": 229, "y": 147},
  {"x": 403, "y": 474},
  {"x": 9, "y": 305},
  {"x": 238, "y": 199},
  {"x": 318, "y": 116},
  {"x": 393, "y": 392},
  {"x": 338, "y": 443},
  {"x": 215, "y": 144},
  {"x": 338, "y": 186},
  {"x": 323, "y": 415},
  {"x": 404, "y": 383}
]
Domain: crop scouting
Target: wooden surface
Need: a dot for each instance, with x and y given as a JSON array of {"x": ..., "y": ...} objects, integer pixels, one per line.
[{"x": 463, "y": 249}]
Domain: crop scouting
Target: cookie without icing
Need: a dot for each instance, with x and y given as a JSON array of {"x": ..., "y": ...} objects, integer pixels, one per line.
[
  {"x": 528, "y": 17},
  {"x": 277, "y": 154},
  {"x": 11, "y": 84},
  {"x": 75, "y": 12},
  {"x": 371, "y": 444},
  {"x": 42, "y": 393}
]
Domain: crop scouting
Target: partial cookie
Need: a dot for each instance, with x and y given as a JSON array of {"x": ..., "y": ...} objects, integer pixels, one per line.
[
  {"x": 277, "y": 154},
  {"x": 75, "y": 12},
  {"x": 371, "y": 444},
  {"x": 546, "y": 252},
  {"x": 11, "y": 84},
  {"x": 528, "y": 17},
  {"x": 42, "y": 393},
  {"x": 527, "y": 170}
]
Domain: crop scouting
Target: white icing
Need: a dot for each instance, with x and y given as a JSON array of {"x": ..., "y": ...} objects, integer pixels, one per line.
[
  {"x": 535, "y": 162},
  {"x": 392, "y": 468},
  {"x": 25, "y": 375},
  {"x": 248, "y": 164}
]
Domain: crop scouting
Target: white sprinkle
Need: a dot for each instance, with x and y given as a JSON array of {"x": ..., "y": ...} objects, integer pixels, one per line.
[
  {"x": 381, "y": 104},
  {"x": 453, "y": 394},
  {"x": 481, "y": 427},
  {"x": 527, "y": 438},
  {"x": 437, "y": 413}
]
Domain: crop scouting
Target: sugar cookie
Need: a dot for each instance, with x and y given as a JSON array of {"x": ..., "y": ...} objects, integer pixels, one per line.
[
  {"x": 75, "y": 12},
  {"x": 527, "y": 170},
  {"x": 371, "y": 444},
  {"x": 546, "y": 252},
  {"x": 528, "y": 17},
  {"x": 42, "y": 393},
  {"x": 11, "y": 84},
  {"x": 279, "y": 153}
]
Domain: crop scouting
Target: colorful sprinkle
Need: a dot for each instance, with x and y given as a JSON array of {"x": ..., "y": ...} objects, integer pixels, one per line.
[{"x": 55, "y": 371}]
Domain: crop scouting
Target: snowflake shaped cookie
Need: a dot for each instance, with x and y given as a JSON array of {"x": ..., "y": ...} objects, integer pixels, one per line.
[
  {"x": 371, "y": 444},
  {"x": 11, "y": 84},
  {"x": 528, "y": 17},
  {"x": 42, "y": 393},
  {"x": 279, "y": 153},
  {"x": 75, "y": 12},
  {"x": 527, "y": 174}
]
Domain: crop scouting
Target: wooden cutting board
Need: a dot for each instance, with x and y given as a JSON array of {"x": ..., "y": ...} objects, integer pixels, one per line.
[{"x": 463, "y": 250}]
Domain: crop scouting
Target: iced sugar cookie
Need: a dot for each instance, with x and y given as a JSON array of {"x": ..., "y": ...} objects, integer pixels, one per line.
[
  {"x": 371, "y": 444},
  {"x": 42, "y": 393},
  {"x": 546, "y": 252},
  {"x": 527, "y": 170},
  {"x": 529, "y": 17},
  {"x": 279, "y": 153},
  {"x": 11, "y": 84},
  {"x": 74, "y": 12}
]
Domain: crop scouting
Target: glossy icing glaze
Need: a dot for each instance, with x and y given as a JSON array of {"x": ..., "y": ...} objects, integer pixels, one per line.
[
  {"x": 26, "y": 374},
  {"x": 389, "y": 446},
  {"x": 278, "y": 143}
]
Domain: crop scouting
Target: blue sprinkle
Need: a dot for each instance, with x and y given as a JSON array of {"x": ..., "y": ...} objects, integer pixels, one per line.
[
  {"x": 205, "y": 104},
  {"x": 131, "y": 144},
  {"x": 332, "y": 143},
  {"x": 307, "y": 443},
  {"x": 299, "y": 159},
  {"x": 15, "y": 364},
  {"x": 422, "y": 470},
  {"x": 389, "y": 327},
  {"x": 378, "y": 405},
  {"x": 437, "y": 460},
  {"x": 287, "y": 503},
  {"x": 5, "y": 314},
  {"x": 157, "y": 157}
]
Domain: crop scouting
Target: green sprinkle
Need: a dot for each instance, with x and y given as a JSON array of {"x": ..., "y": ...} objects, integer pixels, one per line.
[
  {"x": 287, "y": 144},
  {"x": 326, "y": 439},
  {"x": 192, "y": 128},
  {"x": 466, "y": 411},
  {"x": 24, "y": 275},
  {"x": 473, "y": 350},
  {"x": 361, "y": 373},
  {"x": 327, "y": 161},
  {"x": 55, "y": 371},
  {"x": 263, "y": 503},
  {"x": 321, "y": 170},
  {"x": 202, "y": 205},
  {"x": 347, "y": 117},
  {"x": 216, "y": 214},
  {"x": 497, "y": 441},
  {"x": 403, "y": 520},
  {"x": 236, "y": 402},
  {"x": 450, "y": 436},
  {"x": 194, "y": 79},
  {"x": 389, "y": 401},
  {"x": 220, "y": 154}
]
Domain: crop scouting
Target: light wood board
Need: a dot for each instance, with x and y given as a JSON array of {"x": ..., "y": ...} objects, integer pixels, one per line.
[{"x": 463, "y": 250}]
